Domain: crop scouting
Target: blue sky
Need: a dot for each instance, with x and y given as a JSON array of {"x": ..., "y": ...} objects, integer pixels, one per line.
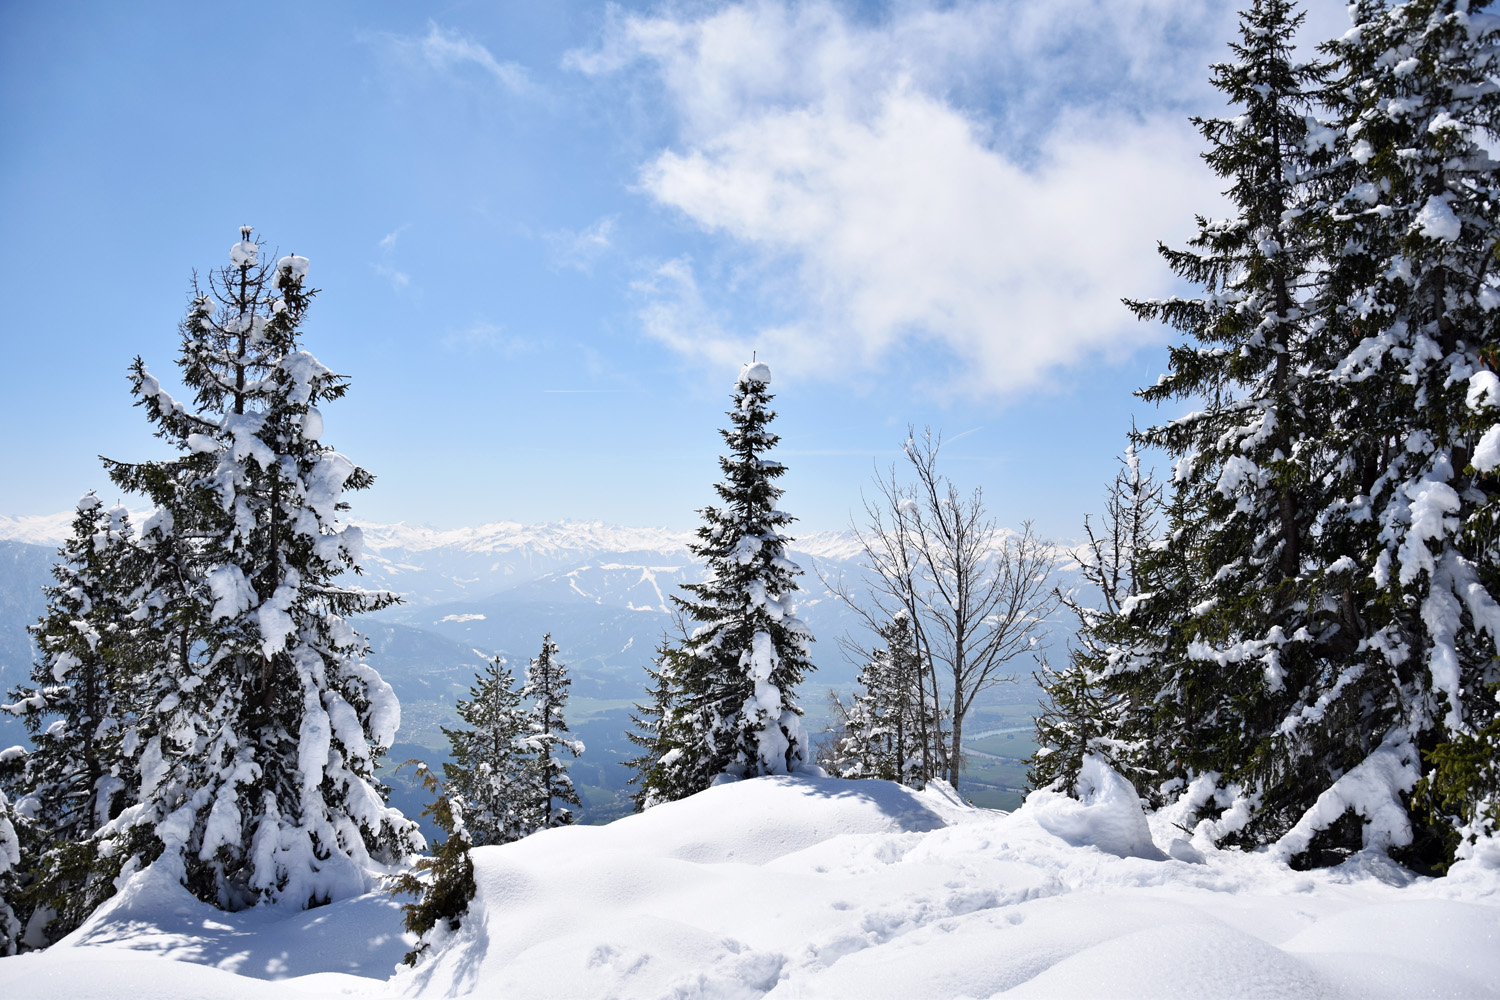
[{"x": 547, "y": 234}]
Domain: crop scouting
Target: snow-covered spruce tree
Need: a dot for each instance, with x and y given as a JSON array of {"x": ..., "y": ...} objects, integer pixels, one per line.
[
  {"x": 78, "y": 705},
  {"x": 546, "y": 688},
  {"x": 490, "y": 774},
  {"x": 257, "y": 757},
  {"x": 883, "y": 724},
  {"x": 1233, "y": 624},
  {"x": 1412, "y": 297},
  {"x": 724, "y": 705},
  {"x": 1079, "y": 715},
  {"x": 10, "y": 865}
]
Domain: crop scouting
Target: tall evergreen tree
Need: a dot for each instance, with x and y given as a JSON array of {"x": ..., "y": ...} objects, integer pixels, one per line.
[
  {"x": 1308, "y": 640},
  {"x": 1412, "y": 297},
  {"x": 257, "y": 757},
  {"x": 724, "y": 702},
  {"x": 490, "y": 776},
  {"x": 78, "y": 705},
  {"x": 546, "y": 687},
  {"x": 1230, "y": 625}
]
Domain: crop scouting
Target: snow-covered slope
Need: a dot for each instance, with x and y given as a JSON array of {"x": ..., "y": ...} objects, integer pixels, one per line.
[
  {"x": 38, "y": 529},
  {"x": 815, "y": 887}
]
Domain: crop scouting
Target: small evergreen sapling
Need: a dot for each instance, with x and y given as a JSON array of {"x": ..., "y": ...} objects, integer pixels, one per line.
[
  {"x": 1461, "y": 790},
  {"x": 670, "y": 766},
  {"x": 443, "y": 883},
  {"x": 79, "y": 693},
  {"x": 1081, "y": 714}
]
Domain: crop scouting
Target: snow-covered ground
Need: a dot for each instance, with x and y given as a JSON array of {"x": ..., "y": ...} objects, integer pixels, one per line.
[{"x": 816, "y": 887}]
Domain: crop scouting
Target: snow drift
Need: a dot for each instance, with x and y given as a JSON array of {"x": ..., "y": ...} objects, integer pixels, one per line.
[{"x": 818, "y": 887}]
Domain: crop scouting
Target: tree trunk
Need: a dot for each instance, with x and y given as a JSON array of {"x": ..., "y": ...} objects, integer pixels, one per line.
[{"x": 955, "y": 757}]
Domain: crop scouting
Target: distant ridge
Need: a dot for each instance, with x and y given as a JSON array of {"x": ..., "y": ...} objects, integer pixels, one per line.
[
  {"x": 37, "y": 529},
  {"x": 550, "y": 539}
]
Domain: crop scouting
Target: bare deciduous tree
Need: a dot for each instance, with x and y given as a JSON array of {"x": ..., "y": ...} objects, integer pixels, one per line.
[{"x": 976, "y": 595}]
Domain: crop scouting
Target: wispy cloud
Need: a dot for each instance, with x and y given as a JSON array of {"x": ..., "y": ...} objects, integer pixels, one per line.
[
  {"x": 398, "y": 279},
  {"x": 676, "y": 315},
  {"x": 962, "y": 434},
  {"x": 581, "y": 249},
  {"x": 983, "y": 178},
  {"x": 445, "y": 49},
  {"x": 451, "y": 52},
  {"x": 486, "y": 337},
  {"x": 386, "y": 267}
]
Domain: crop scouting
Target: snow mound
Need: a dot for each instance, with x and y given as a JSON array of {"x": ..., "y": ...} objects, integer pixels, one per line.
[
  {"x": 757, "y": 821},
  {"x": 154, "y": 939},
  {"x": 793, "y": 886},
  {"x": 1107, "y": 814}
]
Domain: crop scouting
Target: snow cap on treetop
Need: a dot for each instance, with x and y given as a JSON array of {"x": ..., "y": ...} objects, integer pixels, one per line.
[
  {"x": 757, "y": 371},
  {"x": 88, "y": 502},
  {"x": 297, "y": 266},
  {"x": 243, "y": 253}
]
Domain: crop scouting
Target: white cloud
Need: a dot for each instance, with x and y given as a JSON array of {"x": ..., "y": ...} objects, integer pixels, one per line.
[
  {"x": 988, "y": 179},
  {"x": 1020, "y": 57},
  {"x": 908, "y": 226}
]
